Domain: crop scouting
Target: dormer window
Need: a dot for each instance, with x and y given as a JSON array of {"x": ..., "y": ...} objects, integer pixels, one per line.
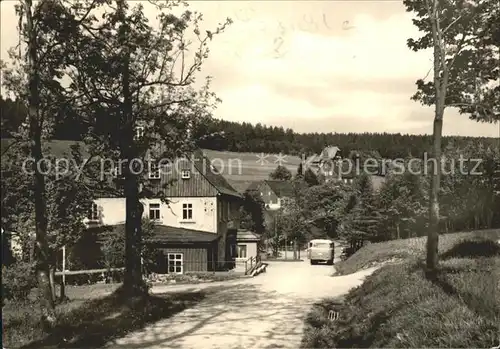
[
  {"x": 139, "y": 132},
  {"x": 185, "y": 174},
  {"x": 154, "y": 171}
]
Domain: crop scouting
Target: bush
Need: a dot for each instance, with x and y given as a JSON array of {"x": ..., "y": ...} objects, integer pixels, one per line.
[{"x": 17, "y": 281}]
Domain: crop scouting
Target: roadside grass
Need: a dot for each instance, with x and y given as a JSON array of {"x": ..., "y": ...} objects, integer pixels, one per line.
[
  {"x": 405, "y": 249},
  {"x": 397, "y": 307},
  {"x": 90, "y": 322}
]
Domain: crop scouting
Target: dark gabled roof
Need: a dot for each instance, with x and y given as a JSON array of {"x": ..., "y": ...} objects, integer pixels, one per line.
[
  {"x": 204, "y": 166},
  {"x": 168, "y": 234},
  {"x": 254, "y": 185},
  {"x": 164, "y": 234},
  {"x": 241, "y": 186},
  {"x": 62, "y": 149},
  {"x": 281, "y": 188}
]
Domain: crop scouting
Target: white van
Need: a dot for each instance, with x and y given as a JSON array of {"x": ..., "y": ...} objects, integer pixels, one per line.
[{"x": 320, "y": 250}]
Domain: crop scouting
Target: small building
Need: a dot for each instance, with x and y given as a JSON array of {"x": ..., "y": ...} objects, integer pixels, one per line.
[
  {"x": 326, "y": 164},
  {"x": 273, "y": 192},
  {"x": 247, "y": 247},
  {"x": 246, "y": 244}
]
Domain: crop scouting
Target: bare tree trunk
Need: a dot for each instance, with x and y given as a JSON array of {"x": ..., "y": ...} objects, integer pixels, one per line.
[
  {"x": 433, "y": 233},
  {"x": 35, "y": 131},
  {"x": 397, "y": 231},
  {"x": 52, "y": 283},
  {"x": 441, "y": 72},
  {"x": 133, "y": 271}
]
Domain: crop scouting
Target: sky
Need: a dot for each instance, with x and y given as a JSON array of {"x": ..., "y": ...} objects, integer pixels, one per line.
[{"x": 313, "y": 66}]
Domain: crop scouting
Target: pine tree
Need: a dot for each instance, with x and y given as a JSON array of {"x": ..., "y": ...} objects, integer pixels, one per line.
[
  {"x": 281, "y": 173},
  {"x": 362, "y": 219},
  {"x": 310, "y": 178},
  {"x": 300, "y": 171}
]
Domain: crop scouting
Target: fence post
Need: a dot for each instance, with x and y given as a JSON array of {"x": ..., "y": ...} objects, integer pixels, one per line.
[{"x": 63, "y": 277}]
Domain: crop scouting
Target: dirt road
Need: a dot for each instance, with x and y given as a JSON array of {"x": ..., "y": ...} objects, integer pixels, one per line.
[{"x": 262, "y": 312}]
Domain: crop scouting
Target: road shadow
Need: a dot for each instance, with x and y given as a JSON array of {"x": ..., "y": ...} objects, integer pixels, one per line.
[
  {"x": 234, "y": 317},
  {"x": 99, "y": 321}
]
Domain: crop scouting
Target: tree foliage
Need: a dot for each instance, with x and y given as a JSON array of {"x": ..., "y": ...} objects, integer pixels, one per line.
[
  {"x": 137, "y": 74},
  {"x": 310, "y": 177},
  {"x": 252, "y": 212},
  {"x": 281, "y": 173},
  {"x": 467, "y": 54}
]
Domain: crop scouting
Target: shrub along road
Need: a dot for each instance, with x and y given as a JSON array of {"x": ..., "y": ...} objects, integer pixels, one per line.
[{"x": 267, "y": 311}]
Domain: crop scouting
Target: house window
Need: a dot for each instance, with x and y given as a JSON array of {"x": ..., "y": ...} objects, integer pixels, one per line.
[
  {"x": 187, "y": 211},
  {"x": 139, "y": 132},
  {"x": 185, "y": 174},
  {"x": 154, "y": 171},
  {"x": 93, "y": 214},
  {"x": 175, "y": 263},
  {"x": 228, "y": 210},
  {"x": 242, "y": 251},
  {"x": 154, "y": 212}
]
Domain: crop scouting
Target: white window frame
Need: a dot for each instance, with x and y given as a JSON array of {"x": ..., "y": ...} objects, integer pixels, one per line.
[
  {"x": 139, "y": 132},
  {"x": 240, "y": 248},
  {"x": 93, "y": 213},
  {"x": 154, "y": 170},
  {"x": 156, "y": 208},
  {"x": 188, "y": 209},
  {"x": 173, "y": 267},
  {"x": 185, "y": 174}
]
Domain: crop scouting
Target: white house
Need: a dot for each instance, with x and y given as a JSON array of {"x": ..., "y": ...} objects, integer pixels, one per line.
[{"x": 197, "y": 226}]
